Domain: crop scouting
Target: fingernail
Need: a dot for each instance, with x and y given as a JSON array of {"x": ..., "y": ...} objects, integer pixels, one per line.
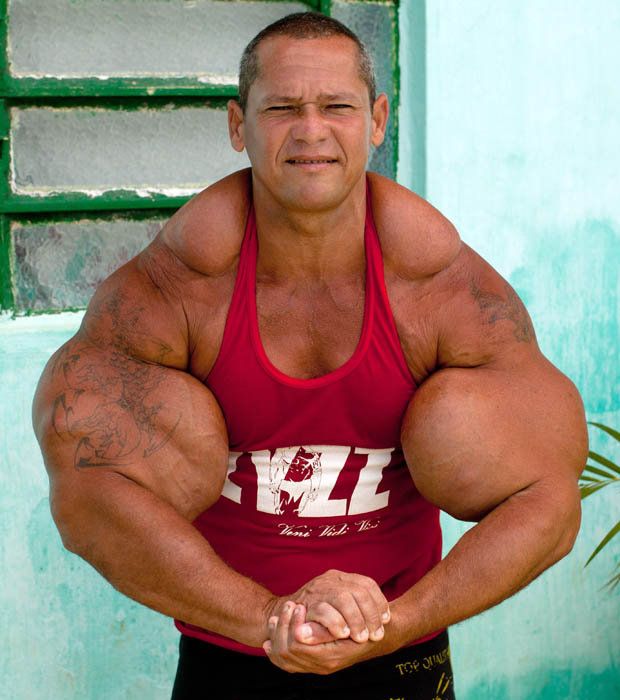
[
  {"x": 385, "y": 617},
  {"x": 305, "y": 631},
  {"x": 267, "y": 647},
  {"x": 273, "y": 621},
  {"x": 346, "y": 631},
  {"x": 363, "y": 635},
  {"x": 378, "y": 634},
  {"x": 298, "y": 610}
]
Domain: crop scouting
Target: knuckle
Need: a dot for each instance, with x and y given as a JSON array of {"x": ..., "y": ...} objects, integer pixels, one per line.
[
  {"x": 343, "y": 597},
  {"x": 332, "y": 666},
  {"x": 371, "y": 584},
  {"x": 322, "y": 608}
]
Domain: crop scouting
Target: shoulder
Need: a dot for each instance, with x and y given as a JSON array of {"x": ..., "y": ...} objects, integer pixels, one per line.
[
  {"x": 206, "y": 233},
  {"x": 416, "y": 239},
  {"x": 451, "y": 307}
]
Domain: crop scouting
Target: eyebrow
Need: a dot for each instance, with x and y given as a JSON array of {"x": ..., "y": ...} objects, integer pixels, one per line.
[{"x": 346, "y": 96}]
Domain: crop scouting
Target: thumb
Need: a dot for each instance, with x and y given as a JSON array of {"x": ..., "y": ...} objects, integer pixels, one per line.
[{"x": 313, "y": 633}]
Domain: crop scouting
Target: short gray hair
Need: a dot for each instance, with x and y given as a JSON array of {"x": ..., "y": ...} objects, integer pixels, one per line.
[{"x": 303, "y": 25}]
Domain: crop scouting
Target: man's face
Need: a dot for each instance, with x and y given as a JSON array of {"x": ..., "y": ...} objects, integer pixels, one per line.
[{"x": 308, "y": 124}]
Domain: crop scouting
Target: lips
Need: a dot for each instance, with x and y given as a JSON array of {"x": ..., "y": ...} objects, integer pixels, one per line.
[{"x": 318, "y": 160}]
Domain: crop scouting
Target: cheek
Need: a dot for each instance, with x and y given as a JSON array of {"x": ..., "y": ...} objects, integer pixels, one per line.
[
  {"x": 266, "y": 145},
  {"x": 356, "y": 135}
]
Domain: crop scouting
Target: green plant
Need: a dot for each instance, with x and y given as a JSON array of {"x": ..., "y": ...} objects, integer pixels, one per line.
[{"x": 594, "y": 478}]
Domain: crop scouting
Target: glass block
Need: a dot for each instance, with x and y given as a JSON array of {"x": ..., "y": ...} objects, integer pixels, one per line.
[
  {"x": 58, "y": 265},
  {"x": 103, "y": 39},
  {"x": 171, "y": 150},
  {"x": 375, "y": 24}
]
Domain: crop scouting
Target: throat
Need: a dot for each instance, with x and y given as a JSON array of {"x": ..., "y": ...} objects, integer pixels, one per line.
[{"x": 320, "y": 246}]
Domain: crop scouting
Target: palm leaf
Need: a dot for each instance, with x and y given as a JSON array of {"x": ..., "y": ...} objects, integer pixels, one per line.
[
  {"x": 606, "y": 429},
  {"x": 614, "y": 580},
  {"x": 589, "y": 484},
  {"x": 589, "y": 489},
  {"x": 591, "y": 469},
  {"x": 604, "y": 461},
  {"x": 585, "y": 477},
  {"x": 610, "y": 535}
]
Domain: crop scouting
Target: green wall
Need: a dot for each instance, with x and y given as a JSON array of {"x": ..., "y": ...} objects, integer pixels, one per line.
[
  {"x": 514, "y": 135},
  {"x": 522, "y": 153}
]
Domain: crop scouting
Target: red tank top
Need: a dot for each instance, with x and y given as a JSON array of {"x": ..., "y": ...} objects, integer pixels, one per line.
[{"x": 316, "y": 477}]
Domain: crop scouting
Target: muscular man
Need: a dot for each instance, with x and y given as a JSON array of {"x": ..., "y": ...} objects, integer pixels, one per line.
[{"x": 226, "y": 433}]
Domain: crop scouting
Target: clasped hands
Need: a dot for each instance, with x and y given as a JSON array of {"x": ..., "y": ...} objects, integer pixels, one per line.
[{"x": 335, "y": 620}]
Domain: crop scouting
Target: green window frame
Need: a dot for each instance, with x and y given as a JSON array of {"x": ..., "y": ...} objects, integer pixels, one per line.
[{"x": 122, "y": 93}]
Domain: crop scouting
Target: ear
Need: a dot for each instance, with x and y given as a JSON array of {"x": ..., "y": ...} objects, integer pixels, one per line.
[
  {"x": 235, "y": 125},
  {"x": 380, "y": 113}
]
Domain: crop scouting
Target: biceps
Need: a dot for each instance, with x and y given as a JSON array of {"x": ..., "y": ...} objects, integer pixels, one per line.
[
  {"x": 158, "y": 426},
  {"x": 474, "y": 437}
]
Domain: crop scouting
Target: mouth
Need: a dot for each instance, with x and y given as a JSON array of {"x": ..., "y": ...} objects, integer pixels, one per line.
[{"x": 318, "y": 161}]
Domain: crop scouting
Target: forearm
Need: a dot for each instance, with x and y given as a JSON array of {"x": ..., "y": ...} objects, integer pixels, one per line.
[
  {"x": 503, "y": 553},
  {"x": 146, "y": 550}
]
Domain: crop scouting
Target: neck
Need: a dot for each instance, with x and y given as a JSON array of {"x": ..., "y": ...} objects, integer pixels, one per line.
[{"x": 319, "y": 246}]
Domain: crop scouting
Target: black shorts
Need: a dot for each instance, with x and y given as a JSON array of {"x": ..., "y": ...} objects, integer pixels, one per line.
[{"x": 209, "y": 672}]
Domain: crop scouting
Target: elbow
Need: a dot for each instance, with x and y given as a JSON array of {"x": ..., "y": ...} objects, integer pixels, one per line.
[
  {"x": 564, "y": 520},
  {"x": 65, "y": 514},
  {"x": 570, "y": 530}
]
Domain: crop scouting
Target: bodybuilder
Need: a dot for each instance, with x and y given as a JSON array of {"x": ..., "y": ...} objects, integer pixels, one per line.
[{"x": 226, "y": 434}]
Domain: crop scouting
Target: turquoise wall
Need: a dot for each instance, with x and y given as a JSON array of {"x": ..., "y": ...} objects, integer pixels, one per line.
[
  {"x": 522, "y": 153},
  {"x": 65, "y": 633},
  {"x": 509, "y": 124}
]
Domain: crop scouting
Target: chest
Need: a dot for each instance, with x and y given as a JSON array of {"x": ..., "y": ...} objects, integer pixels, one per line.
[{"x": 309, "y": 329}]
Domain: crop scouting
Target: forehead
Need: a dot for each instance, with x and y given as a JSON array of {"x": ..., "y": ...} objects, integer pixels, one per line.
[{"x": 331, "y": 62}]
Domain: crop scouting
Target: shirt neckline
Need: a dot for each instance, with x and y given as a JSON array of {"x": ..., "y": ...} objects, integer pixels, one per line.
[{"x": 362, "y": 345}]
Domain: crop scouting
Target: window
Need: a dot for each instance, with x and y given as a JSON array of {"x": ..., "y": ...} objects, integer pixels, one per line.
[{"x": 111, "y": 118}]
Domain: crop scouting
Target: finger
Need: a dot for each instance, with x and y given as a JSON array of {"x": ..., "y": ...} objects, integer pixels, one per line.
[
  {"x": 279, "y": 636},
  {"x": 312, "y": 633},
  {"x": 380, "y": 601},
  {"x": 272, "y": 625},
  {"x": 373, "y": 605},
  {"x": 370, "y": 612},
  {"x": 330, "y": 619},
  {"x": 346, "y": 604},
  {"x": 298, "y": 620}
]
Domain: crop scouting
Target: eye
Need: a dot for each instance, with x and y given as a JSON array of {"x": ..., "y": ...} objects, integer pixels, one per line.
[
  {"x": 339, "y": 106},
  {"x": 279, "y": 108}
]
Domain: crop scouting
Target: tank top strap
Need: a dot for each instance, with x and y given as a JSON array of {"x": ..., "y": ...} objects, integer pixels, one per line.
[
  {"x": 249, "y": 249},
  {"x": 236, "y": 327},
  {"x": 384, "y": 325}
]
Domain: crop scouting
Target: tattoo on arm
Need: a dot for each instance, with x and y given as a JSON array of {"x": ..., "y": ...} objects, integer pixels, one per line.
[
  {"x": 497, "y": 308},
  {"x": 109, "y": 402}
]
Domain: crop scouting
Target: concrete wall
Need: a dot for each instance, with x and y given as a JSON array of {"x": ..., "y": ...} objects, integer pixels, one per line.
[
  {"x": 522, "y": 152},
  {"x": 66, "y": 633}
]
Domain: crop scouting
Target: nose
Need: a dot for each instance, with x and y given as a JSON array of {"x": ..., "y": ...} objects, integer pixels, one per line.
[{"x": 310, "y": 125}]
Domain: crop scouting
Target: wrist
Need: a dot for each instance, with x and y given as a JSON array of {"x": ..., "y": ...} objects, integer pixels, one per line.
[
  {"x": 402, "y": 626},
  {"x": 271, "y": 606}
]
